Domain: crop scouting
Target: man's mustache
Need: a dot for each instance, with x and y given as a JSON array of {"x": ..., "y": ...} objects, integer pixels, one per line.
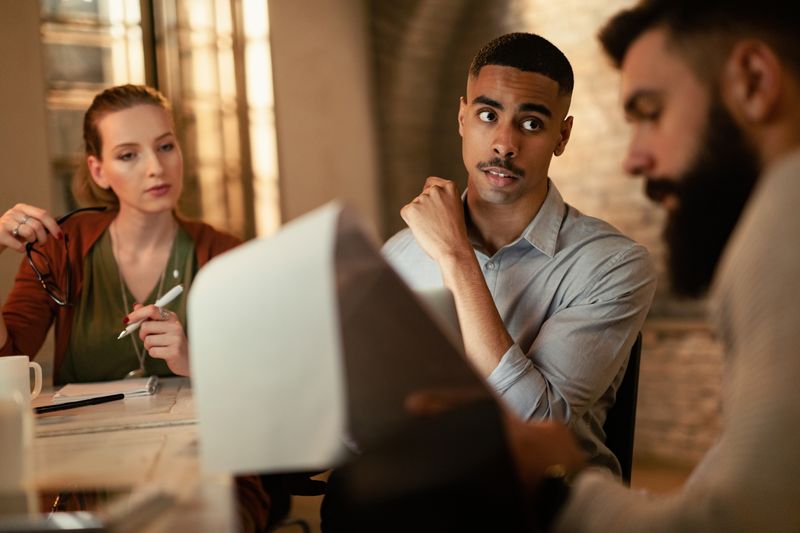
[
  {"x": 502, "y": 163},
  {"x": 658, "y": 189}
]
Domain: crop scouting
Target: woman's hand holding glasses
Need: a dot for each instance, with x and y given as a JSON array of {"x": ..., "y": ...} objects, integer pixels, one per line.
[
  {"x": 24, "y": 228},
  {"x": 25, "y": 223}
]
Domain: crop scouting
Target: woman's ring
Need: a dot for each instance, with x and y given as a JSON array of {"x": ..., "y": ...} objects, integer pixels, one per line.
[
  {"x": 164, "y": 313},
  {"x": 15, "y": 231}
]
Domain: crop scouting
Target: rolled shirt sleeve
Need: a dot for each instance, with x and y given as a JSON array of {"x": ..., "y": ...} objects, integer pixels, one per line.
[{"x": 581, "y": 350}]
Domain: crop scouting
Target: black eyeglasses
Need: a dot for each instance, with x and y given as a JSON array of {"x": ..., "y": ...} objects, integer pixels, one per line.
[{"x": 41, "y": 265}]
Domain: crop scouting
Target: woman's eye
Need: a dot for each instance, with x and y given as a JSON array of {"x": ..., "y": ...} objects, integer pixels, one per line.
[
  {"x": 126, "y": 156},
  {"x": 487, "y": 116},
  {"x": 532, "y": 124},
  {"x": 167, "y": 147}
]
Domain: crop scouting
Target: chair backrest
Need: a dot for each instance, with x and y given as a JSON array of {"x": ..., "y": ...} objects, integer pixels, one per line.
[{"x": 621, "y": 419}]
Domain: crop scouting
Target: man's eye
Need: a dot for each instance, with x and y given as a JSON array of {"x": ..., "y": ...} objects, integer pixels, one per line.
[
  {"x": 647, "y": 113},
  {"x": 650, "y": 116},
  {"x": 531, "y": 124},
  {"x": 487, "y": 116}
]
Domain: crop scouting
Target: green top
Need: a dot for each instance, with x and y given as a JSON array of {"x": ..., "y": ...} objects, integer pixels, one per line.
[{"x": 94, "y": 353}]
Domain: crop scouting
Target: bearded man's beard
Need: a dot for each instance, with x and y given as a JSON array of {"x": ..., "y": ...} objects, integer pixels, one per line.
[{"x": 712, "y": 195}]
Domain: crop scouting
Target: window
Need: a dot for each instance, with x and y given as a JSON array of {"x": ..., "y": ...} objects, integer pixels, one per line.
[
  {"x": 86, "y": 46},
  {"x": 210, "y": 58}
]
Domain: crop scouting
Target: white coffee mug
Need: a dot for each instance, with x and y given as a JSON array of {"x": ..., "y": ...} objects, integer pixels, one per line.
[
  {"x": 17, "y": 490},
  {"x": 15, "y": 376},
  {"x": 12, "y": 441}
]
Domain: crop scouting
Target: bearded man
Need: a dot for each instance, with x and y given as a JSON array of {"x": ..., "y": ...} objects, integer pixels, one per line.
[{"x": 712, "y": 90}]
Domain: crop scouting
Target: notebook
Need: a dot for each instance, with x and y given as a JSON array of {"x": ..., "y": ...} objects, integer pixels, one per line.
[{"x": 128, "y": 387}]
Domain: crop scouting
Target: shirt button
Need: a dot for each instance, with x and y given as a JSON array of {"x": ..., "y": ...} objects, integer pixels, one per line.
[{"x": 489, "y": 265}]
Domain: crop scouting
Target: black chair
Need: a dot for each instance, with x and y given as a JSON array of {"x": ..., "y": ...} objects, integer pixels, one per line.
[
  {"x": 621, "y": 419},
  {"x": 281, "y": 488}
]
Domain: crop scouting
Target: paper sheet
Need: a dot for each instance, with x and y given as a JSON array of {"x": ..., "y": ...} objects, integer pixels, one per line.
[
  {"x": 128, "y": 387},
  {"x": 266, "y": 353}
]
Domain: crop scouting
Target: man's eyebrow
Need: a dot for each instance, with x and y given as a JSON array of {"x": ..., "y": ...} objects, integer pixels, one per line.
[
  {"x": 525, "y": 108},
  {"x": 536, "y": 108},
  {"x": 485, "y": 100}
]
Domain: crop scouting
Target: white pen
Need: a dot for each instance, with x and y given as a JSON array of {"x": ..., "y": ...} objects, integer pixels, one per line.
[{"x": 161, "y": 302}]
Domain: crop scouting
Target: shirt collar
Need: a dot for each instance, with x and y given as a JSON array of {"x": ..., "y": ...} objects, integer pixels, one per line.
[{"x": 542, "y": 231}]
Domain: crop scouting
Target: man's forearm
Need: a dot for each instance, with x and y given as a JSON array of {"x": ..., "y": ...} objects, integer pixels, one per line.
[{"x": 485, "y": 336}]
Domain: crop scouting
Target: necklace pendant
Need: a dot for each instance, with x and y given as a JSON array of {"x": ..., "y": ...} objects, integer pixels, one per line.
[
  {"x": 135, "y": 374},
  {"x": 175, "y": 274}
]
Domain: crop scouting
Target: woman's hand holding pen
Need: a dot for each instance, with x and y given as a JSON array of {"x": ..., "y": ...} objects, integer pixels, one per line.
[{"x": 163, "y": 336}]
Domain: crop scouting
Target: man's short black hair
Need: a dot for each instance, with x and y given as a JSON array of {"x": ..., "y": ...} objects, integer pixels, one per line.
[
  {"x": 528, "y": 52},
  {"x": 687, "y": 21}
]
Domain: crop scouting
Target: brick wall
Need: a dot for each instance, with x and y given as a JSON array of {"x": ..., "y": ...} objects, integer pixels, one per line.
[{"x": 679, "y": 409}]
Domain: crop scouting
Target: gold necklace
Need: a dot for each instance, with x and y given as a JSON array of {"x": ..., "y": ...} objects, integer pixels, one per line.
[{"x": 139, "y": 350}]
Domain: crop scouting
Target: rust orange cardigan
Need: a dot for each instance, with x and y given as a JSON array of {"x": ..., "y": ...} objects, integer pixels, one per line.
[{"x": 28, "y": 311}]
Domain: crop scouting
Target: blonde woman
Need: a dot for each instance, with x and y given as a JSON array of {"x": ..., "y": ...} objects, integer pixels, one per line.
[{"x": 94, "y": 271}]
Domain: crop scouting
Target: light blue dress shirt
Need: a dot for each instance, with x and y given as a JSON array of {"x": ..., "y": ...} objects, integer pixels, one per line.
[{"x": 573, "y": 293}]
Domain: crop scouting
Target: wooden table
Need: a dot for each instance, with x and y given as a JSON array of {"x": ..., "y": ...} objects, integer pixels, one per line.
[{"x": 147, "y": 444}]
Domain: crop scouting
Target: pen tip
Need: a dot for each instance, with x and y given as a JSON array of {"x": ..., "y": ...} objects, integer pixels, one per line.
[{"x": 122, "y": 335}]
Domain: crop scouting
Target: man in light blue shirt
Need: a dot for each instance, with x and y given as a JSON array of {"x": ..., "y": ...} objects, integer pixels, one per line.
[{"x": 550, "y": 301}]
